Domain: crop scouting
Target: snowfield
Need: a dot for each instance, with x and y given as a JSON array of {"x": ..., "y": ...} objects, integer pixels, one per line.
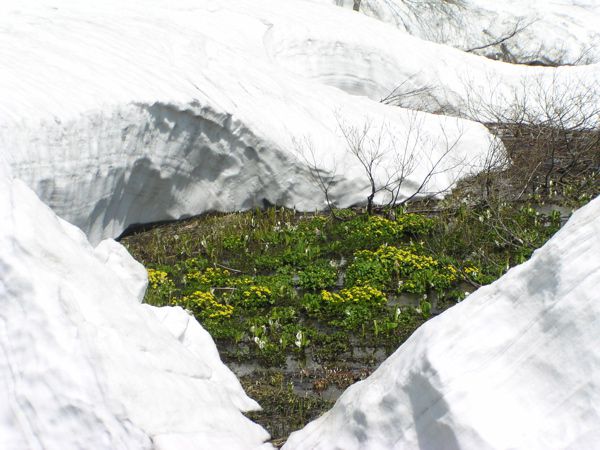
[
  {"x": 523, "y": 373},
  {"x": 117, "y": 113}
]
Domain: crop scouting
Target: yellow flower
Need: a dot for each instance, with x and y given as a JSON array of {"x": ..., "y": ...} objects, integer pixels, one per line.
[{"x": 156, "y": 278}]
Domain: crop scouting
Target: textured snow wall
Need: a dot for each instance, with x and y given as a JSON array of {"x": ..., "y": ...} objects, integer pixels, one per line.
[
  {"x": 520, "y": 31},
  {"x": 84, "y": 365},
  {"x": 118, "y": 114},
  {"x": 515, "y": 365}
]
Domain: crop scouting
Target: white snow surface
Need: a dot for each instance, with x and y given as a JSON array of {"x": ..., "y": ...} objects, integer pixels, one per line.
[
  {"x": 83, "y": 364},
  {"x": 515, "y": 365},
  {"x": 553, "y": 32},
  {"x": 130, "y": 113}
]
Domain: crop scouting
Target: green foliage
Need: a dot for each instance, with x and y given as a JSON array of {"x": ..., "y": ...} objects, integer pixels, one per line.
[
  {"x": 318, "y": 276},
  {"x": 372, "y": 231},
  {"x": 492, "y": 239},
  {"x": 401, "y": 269},
  {"x": 161, "y": 288},
  {"x": 204, "y": 305},
  {"x": 257, "y": 296},
  {"x": 235, "y": 243},
  {"x": 281, "y": 299},
  {"x": 368, "y": 269}
]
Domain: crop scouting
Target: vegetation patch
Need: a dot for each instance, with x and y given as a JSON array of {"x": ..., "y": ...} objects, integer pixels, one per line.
[{"x": 286, "y": 294}]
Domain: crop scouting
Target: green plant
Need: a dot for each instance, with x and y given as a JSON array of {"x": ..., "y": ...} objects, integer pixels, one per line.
[
  {"x": 209, "y": 278},
  {"x": 352, "y": 308},
  {"x": 256, "y": 296},
  {"x": 204, "y": 305},
  {"x": 161, "y": 288},
  {"x": 401, "y": 269},
  {"x": 317, "y": 276}
]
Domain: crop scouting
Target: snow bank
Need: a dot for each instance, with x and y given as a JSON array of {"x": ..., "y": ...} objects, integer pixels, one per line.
[
  {"x": 522, "y": 31},
  {"x": 119, "y": 114},
  {"x": 372, "y": 59},
  {"x": 515, "y": 365},
  {"x": 84, "y": 365}
]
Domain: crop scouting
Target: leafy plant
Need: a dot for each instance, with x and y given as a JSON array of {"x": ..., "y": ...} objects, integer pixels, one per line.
[
  {"x": 204, "y": 305},
  {"x": 257, "y": 296},
  {"x": 318, "y": 276}
]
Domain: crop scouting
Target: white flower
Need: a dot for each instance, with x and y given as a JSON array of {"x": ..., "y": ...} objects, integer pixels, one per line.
[
  {"x": 397, "y": 313},
  {"x": 299, "y": 336},
  {"x": 260, "y": 342}
]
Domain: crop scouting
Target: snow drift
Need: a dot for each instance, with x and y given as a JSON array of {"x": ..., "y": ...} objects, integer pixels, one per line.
[
  {"x": 515, "y": 365},
  {"x": 118, "y": 114},
  {"x": 518, "y": 31},
  {"x": 84, "y": 365}
]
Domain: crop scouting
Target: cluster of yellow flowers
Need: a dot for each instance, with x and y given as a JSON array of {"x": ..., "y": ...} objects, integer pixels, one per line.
[
  {"x": 451, "y": 274},
  {"x": 356, "y": 294},
  {"x": 205, "y": 303},
  {"x": 257, "y": 295},
  {"x": 381, "y": 227},
  {"x": 474, "y": 273},
  {"x": 471, "y": 270},
  {"x": 210, "y": 277},
  {"x": 416, "y": 272},
  {"x": 157, "y": 277},
  {"x": 403, "y": 260},
  {"x": 378, "y": 226}
]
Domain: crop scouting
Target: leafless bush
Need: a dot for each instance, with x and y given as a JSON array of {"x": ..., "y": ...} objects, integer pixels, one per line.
[
  {"x": 410, "y": 94},
  {"x": 390, "y": 166},
  {"x": 550, "y": 129},
  {"x": 500, "y": 41}
]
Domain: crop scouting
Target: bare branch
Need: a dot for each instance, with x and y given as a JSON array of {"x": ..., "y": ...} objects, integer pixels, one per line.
[{"x": 518, "y": 28}]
